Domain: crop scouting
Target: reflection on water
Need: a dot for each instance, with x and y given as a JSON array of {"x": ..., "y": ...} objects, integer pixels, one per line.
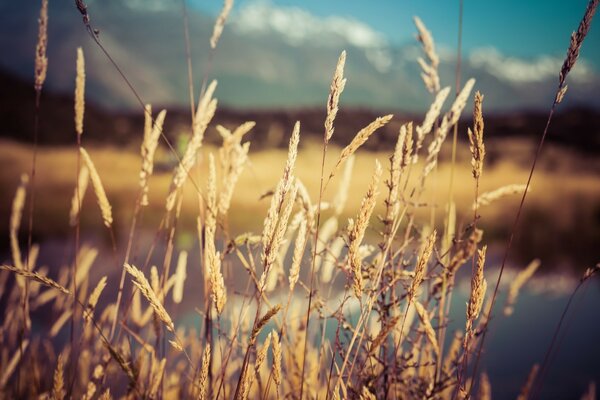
[{"x": 514, "y": 344}]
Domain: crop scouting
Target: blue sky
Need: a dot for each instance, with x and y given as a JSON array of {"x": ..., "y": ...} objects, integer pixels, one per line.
[{"x": 523, "y": 29}]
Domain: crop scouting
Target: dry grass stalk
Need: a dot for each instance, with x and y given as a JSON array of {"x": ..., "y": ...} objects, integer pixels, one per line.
[
  {"x": 93, "y": 299},
  {"x": 476, "y": 137},
  {"x": 430, "y": 118},
  {"x": 478, "y": 288},
  {"x": 449, "y": 120},
  {"x": 262, "y": 322},
  {"x": 590, "y": 394},
  {"x": 420, "y": 269},
  {"x": 430, "y": 70},
  {"x": 276, "y": 221},
  {"x": 331, "y": 258},
  {"x": 465, "y": 251},
  {"x": 149, "y": 145},
  {"x": 212, "y": 257},
  {"x": 360, "y": 138},
  {"x": 276, "y": 358},
  {"x": 489, "y": 197},
  {"x": 98, "y": 189},
  {"x": 485, "y": 387},
  {"x": 383, "y": 334},
  {"x": 140, "y": 281},
  {"x": 58, "y": 388},
  {"x": 337, "y": 87},
  {"x": 452, "y": 356},
  {"x": 233, "y": 156},
  {"x": 15, "y": 221},
  {"x": 429, "y": 331},
  {"x": 327, "y": 231},
  {"x": 220, "y": 23},
  {"x": 78, "y": 194},
  {"x": 79, "y": 92},
  {"x": 398, "y": 162},
  {"x": 576, "y": 41},
  {"x": 299, "y": 246},
  {"x": 357, "y": 232},
  {"x": 156, "y": 377},
  {"x": 9, "y": 367},
  {"x": 203, "y": 378},
  {"x": 261, "y": 355},
  {"x": 204, "y": 114},
  {"x": 180, "y": 275},
  {"x": 36, "y": 277},
  {"x": 526, "y": 389},
  {"x": 517, "y": 283},
  {"x": 41, "y": 61}
]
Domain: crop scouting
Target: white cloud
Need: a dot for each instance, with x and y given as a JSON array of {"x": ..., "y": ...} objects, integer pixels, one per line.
[
  {"x": 297, "y": 27},
  {"x": 517, "y": 70}
]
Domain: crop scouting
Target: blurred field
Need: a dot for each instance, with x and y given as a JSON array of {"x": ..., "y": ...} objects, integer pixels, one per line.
[{"x": 560, "y": 224}]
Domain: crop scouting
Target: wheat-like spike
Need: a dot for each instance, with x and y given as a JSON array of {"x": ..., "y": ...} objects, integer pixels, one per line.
[
  {"x": 90, "y": 391},
  {"x": 430, "y": 118},
  {"x": 299, "y": 245},
  {"x": 489, "y": 197},
  {"x": 517, "y": 283},
  {"x": 261, "y": 355},
  {"x": 148, "y": 149},
  {"x": 359, "y": 228},
  {"x": 449, "y": 120},
  {"x": 140, "y": 281},
  {"x": 398, "y": 162},
  {"x": 234, "y": 157},
  {"x": 98, "y": 189},
  {"x": 15, "y": 221},
  {"x": 465, "y": 251},
  {"x": 276, "y": 358},
  {"x": 219, "y": 290},
  {"x": 79, "y": 92},
  {"x": 337, "y": 87},
  {"x": 156, "y": 376},
  {"x": 58, "y": 388},
  {"x": 204, "y": 114},
  {"x": 429, "y": 331},
  {"x": 41, "y": 61},
  {"x": 203, "y": 378},
  {"x": 220, "y": 23},
  {"x": 262, "y": 322},
  {"x": 576, "y": 42},
  {"x": 36, "y": 277},
  {"x": 526, "y": 389},
  {"x": 78, "y": 194},
  {"x": 273, "y": 222},
  {"x": 476, "y": 144},
  {"x": 430, "y": 71},
  {"x": 485, "y": 387},
  {"x": 383, "y": 334},
  {"x": 421, "y": 266},
  {"x": 478, "y": 288},
  {"x": 180, "y": 275},
  {"x": 360, "y": 138},
  {"x": 93, "y": 299}
]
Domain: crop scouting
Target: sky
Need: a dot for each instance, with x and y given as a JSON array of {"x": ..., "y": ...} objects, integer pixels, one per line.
[{"x": 524, "y": 29}]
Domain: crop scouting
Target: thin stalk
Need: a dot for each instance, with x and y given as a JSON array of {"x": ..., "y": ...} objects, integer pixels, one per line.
[
  {"x": 313, "y": 263},
  {"x": 510, "y": 242}
]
